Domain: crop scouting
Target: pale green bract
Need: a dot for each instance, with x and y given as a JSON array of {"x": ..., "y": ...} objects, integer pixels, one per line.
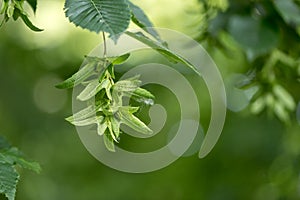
[{"x": 104, "y": 98}]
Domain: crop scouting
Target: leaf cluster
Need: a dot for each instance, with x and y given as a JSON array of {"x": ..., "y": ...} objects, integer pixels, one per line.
[
  {"x": 268, "y": 33},
  {"x": 105, "y": 99},
  {"x": 14, "y": 9}
]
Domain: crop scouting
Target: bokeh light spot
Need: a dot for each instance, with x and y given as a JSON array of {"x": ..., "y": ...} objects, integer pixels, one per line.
[{"x": 46, "y": 97}]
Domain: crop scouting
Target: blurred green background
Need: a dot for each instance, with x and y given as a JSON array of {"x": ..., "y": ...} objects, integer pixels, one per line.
[{"x": 257, "y": 157}]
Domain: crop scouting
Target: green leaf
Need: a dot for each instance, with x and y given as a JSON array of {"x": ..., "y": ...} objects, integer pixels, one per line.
[
  {"x": 258, "y": 106},
  {"x": 162, "y": 50},
  {"x": 109, "y": 142},
  {"x": 10, "y": 10},
  {"x": 284, "y": 97},
  {"x": 109, "y": 16},
  {"x": 9, "y": 157},
  {"x": 29, "y": 24},
  {"x": 14, "y": 156},
  {"x": 102, "y": 126},
  {"x": 90, "y": 90},
  {"x": 33, "y": 4},
  {"x": 110, "y": 129},
  {"x": 115, "y": 124},
  {"x": 118, "y": 60},
  {"x": 281, "y": 113},
  {"x": 86, "y": 71},
  {"x": 254, "y": 35},
  {"x": 139, "y": 17},
  {"x": 84, "y": 113},
  {"x": 127, "y": 85},
  {"x": 143, "y": 96},
  {"x": 8, "y": 180},
  {"x": 84, "y": 122},
  {"x": 132, "y": 121},
  {"x": 4, "y": 7},
  {"x": 289, "y": 11}
]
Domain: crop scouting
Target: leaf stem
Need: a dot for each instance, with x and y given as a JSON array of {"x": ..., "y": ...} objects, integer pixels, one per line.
[{"x": 104, "y": 45}]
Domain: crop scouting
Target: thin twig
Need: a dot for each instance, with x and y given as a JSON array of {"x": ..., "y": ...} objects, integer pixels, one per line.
[{"x": 104, "y": 45}]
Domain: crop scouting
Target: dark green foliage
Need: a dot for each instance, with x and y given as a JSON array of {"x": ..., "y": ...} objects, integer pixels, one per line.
[
  {"x": 14, "y": 9},
  {"x": 268, "y": 32},
  {"x": 9, "y": 177}
]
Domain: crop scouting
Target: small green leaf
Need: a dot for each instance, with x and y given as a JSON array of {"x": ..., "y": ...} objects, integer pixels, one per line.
[
  {"x": 87, "y": 70},
  {"x": 4, "y": 7},
  {"x": 118, "y": 60},
  {"x": 143, "y": 96},
  {"x": 258, "y": 105},
  {"x": 109, "y": 142},
  {"x": 127, "y": 85},
  {"x": 8, "y": 180},
  {"x": 140, "y": 92},
  {"x": 289, "y": 11},
  {"x": 33, "y": 4},
  {"x": 90, "y": 91},
  {"x": 110, "y": 128},
  {"x": 14, "y": 156},
  {"x": 132, "y": 121},
  {"x": 115, "y": 124},
  {"x": 139, "y": 17},
  {"x": 84, "y": 122},
  {"x": 101, "y": 126},
  {"x": 10, "y": 10},
  {"x": 29, "y": 24},
  {"x": 284, "y": 97},
  {"x": 281, "y": 113},
  {"x": 84, "y": 113},
  {"x": 173, "y": 57}
]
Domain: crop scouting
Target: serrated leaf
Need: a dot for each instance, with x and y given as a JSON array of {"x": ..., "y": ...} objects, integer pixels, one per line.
[
  {"x": 109, "y": 142},
  {"x": 108, "y": 16},
  {"x": 14, "y": 156},
  {"x": 139, "y": 17},
  {"x": 77, "y": 78},
  {"x": 132, "y": 121},
  {"x": 33, "y": 4},
  {"x": 8, "y": 180},
  {"x": 173, "y": 57}
]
